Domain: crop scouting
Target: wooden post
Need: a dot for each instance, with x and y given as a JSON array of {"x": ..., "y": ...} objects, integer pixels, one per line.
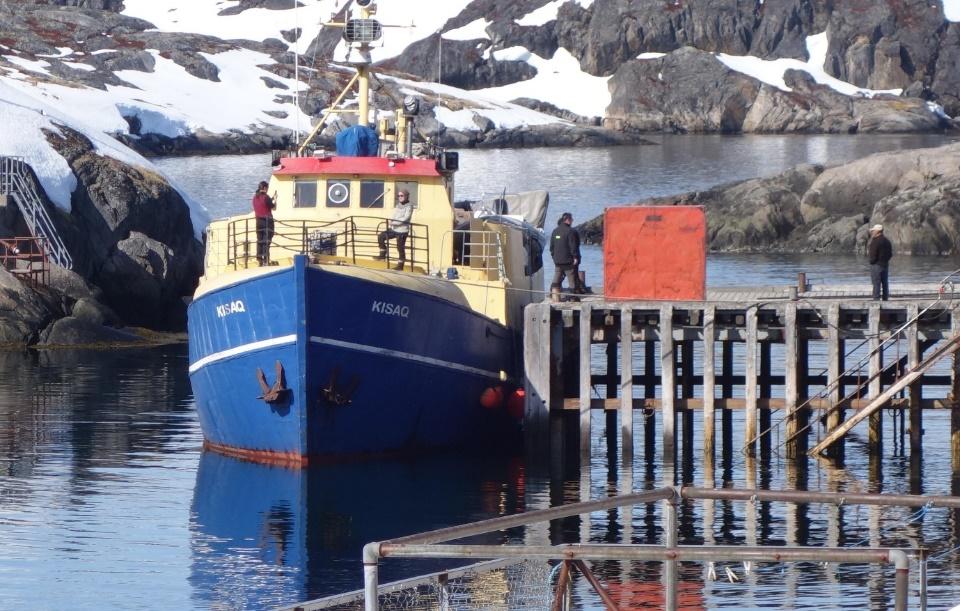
[
  {"x": 955, "y": 397},
  {"x": 585, "y": 383},
  {"x": 875, "y": 387},
  {"x": 766, "y": 390},
  {"x": 915, "y": 394},
  {"x": 790, "y": 380},
  {"x": 750, "y": 384},
  {"x": 626, "y": 387},
  {"x": 914, "y": 356},
  {"x": 611, "y": 337},
  {"x": 649, "y": 392},
  {"x": 668, "y": 385},
  {"x": 726, "y": 391},
  {"x": 834, "y": 369},
  {"x": 709, "y": 390},
  {"x": 803, "y": 391},
  {"x": 686, "y": 387},
  {"x": 537, "y": 352}
]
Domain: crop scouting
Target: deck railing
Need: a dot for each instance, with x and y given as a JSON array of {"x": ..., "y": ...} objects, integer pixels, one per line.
[
  {"x": 349, "y": 239},
  {"x": 26, "y": 258}
]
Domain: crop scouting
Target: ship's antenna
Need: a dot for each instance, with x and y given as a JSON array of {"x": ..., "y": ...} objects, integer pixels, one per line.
[
  {"x": 439, "y": 82},
  {"x": 296, "y": 68}
]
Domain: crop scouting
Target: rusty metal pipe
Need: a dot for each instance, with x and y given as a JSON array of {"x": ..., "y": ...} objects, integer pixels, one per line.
[
  {"x": 807, "y": 497},
  {"x": 541, "y": 515}
]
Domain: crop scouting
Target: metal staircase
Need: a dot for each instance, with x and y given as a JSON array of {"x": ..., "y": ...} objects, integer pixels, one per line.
[{"x": 15, "y": 182}]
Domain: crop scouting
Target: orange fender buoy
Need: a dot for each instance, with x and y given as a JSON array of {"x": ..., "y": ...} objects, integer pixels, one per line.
[
  {"x": 492, "y": 398},
  {"x": 516, "y": 402}
]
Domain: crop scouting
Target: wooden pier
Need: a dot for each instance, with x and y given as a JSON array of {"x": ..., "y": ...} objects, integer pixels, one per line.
[{"x": 804, "y": 369}]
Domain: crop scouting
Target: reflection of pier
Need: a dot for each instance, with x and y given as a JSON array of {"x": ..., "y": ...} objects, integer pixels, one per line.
[{"x": 811, "y": 362}]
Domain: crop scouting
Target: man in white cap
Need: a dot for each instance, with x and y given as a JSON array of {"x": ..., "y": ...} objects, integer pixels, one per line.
[{"x": 879, "y": 251}]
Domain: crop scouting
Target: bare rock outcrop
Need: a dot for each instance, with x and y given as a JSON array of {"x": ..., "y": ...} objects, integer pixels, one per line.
[{"x": 914, "y": 194}]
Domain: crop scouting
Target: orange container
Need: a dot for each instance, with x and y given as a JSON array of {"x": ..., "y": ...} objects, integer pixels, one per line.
[{"x": 655, "y": 252}]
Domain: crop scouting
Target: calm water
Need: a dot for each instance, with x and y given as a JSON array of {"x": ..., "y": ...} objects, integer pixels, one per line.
[{"x": 107, "y": 502}]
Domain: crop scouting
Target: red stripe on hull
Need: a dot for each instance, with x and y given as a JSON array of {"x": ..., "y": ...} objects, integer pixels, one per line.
[{"x": 293, "y": 460}]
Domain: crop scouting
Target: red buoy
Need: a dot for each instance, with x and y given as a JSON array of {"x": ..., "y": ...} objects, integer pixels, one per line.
[
  {"x": 492, "y": 398},
  {"x": 515, "y": 403}
]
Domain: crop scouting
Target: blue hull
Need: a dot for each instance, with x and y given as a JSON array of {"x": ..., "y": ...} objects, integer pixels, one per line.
[{"x": 369, "y": 367}]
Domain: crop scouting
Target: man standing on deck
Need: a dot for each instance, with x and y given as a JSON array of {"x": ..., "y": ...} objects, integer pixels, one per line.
[
  {"x": 263, "y": 210},
  {"x": 879, "y": 251},
  {"x": 565, "y": 250},
  {"x": 397, "y": 227}
]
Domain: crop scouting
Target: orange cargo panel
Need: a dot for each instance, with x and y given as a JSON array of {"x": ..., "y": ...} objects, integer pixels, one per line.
[{"x": 655, "y": 252}]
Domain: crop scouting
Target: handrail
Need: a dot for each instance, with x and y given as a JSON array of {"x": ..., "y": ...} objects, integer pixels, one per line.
[
  {"x": 350, "y": 239},
  {"x": 13, "y": 182},
  {"x": 26, "y": 257}
]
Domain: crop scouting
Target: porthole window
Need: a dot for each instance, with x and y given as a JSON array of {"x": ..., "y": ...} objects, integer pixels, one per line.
[
  {"x": 305, "y": 194},
  {"x": 371, "y": 194},
  {"x": 338, "y": 194}
]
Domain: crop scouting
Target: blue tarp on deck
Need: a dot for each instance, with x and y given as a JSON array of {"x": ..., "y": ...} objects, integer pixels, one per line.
[{"x": 358, "y": 141}]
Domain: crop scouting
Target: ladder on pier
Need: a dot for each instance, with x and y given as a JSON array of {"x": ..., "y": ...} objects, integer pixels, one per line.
[
  {"x": 15, "y": 182},
  {"x": 944, "y": 350}
]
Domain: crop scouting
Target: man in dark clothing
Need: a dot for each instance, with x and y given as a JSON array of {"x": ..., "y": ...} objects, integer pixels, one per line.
[
  {"x": 565, "y": 250},
  {"x": 879, "y": 251},
  {"x": 263, "y": 210}
]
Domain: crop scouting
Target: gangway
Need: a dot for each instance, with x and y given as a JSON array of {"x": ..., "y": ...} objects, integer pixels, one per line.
[
  {"x": 15, "y": 182},
  {"x": 944, "y": 350}
]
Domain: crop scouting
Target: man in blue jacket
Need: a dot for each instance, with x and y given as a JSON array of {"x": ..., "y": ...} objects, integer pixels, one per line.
[{"x": 565, "y": 250}]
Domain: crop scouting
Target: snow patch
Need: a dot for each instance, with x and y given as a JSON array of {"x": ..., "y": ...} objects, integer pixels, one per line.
[
  {"x": 30, "y": 65},
  {"x": 79, "y": 66},
  {"x": 772, "y": 71},
  {"x": 650, "y": 55},
  {"x": 544, "y": 14},
  {"x": 23, "y": 116},
  {"x": 559, "y": 81},
  {"x": 474, "y": 30},
  {"x": 951, "y": 10}
]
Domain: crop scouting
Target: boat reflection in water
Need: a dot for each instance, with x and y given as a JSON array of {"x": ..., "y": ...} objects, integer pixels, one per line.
[{"x": 264, "y": 536}]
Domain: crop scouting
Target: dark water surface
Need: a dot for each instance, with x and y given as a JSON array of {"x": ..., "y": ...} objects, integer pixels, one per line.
[{"x": 108, "y": 502}]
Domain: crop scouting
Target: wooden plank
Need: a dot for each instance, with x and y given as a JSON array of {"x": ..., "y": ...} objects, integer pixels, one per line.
[
  {"x": 585, "y": 386},
  {"x": 626, "y": 385},
  {"x": 750, "y": 386},
  {"x": 910, "y": 378},
  {"x": 709, "y": 390},
  {"x": 668, "y": 373},
  {"x": 775, "y": 404}
]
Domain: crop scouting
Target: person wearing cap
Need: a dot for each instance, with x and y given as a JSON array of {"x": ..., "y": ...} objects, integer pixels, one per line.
[
  {"x": 398, "y": 227},
  {"x": 565, "y": 250},
  {"x": 879, "y": 252},
  {"x": 263, "y": 206}
]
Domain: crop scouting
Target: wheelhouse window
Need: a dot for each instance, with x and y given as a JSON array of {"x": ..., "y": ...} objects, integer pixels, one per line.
[
  {"x": 305, "y": 194},
  {"x": 371, "y": 194},
  {"x": 338, "y": 194},
  {"x": 413, "y": 187}
]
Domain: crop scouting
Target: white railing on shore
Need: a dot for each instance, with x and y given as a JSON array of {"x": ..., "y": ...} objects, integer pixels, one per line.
[{"x": 14, "y": 182}]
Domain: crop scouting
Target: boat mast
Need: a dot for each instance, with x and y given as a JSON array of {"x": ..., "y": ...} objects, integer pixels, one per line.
[{"x": 358, "y": 33}]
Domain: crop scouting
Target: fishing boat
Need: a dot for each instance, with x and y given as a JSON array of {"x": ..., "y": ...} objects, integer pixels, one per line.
[{"x": 336, "y": 342}]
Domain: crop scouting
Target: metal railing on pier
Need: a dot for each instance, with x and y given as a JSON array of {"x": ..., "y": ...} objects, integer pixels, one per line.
[{"x": 436, "y": 544}]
